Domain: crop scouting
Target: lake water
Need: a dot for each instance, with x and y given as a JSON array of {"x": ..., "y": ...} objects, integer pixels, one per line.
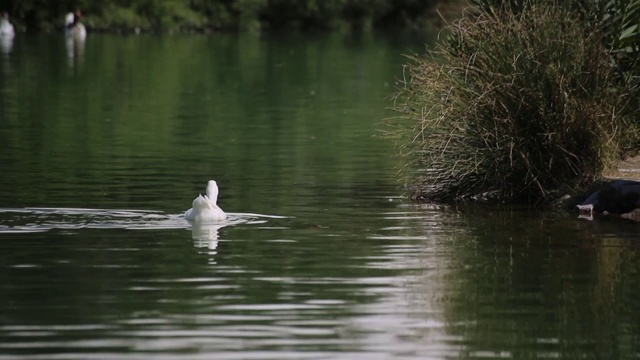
[{"x": 104, "y": 145}]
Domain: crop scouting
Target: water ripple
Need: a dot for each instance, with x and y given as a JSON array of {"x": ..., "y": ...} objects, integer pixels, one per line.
[{"x": 34, "y": 219}]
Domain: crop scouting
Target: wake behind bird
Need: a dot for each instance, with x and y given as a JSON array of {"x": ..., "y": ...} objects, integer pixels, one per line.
[{"x": 38, "y": 219}]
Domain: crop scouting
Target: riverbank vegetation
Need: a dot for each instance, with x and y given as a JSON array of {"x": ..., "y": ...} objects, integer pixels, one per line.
[
  {"x": 213, "y": 15},
  {"x": 524, "y": 101}
]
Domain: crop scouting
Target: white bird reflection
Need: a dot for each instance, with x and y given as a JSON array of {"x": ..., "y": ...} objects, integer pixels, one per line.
[
  {"x": 75, "y": 50},
  {"x": 6, "y": 44},
  {"x": 206, "y": 235}
]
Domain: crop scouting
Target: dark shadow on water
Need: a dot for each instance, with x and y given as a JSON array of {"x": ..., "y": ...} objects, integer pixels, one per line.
[{"x": 531, "y": 283}]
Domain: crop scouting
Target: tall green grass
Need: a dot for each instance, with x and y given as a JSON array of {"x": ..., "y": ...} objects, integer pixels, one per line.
[
  {"x": 515, "y": 106},
  {"x": 617, "y": 22}
]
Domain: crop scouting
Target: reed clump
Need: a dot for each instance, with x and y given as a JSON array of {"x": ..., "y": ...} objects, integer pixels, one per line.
[{"x": 514, "y": 106}]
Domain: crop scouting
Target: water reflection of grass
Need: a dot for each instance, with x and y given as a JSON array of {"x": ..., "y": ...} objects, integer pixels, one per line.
[
  {"x": 258, "y": 113},
  {"x": 532, "y": 283}
]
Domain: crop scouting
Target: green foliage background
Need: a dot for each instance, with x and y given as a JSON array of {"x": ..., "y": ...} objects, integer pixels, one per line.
[{"x": 207, "y": 15}]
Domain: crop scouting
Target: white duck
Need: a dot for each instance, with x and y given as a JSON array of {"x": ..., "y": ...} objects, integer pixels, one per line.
[
  {"x": 6, "y": 29},
  {"x": 205, "y": 208},
  {"x": 73, "y": 28}
]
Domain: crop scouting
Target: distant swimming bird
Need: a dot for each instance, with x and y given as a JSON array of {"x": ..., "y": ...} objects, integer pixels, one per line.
[
  {"x": 205, "y": 208},
  {"x": 6, "y": 29},
  {"x": 73, "y": 27}
]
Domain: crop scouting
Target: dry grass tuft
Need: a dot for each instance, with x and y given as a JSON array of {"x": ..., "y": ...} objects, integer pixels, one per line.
[{"x": 513, "y": 107}]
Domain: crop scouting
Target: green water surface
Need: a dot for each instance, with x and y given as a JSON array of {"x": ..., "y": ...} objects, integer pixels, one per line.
[{"x": 103, "y": 145}]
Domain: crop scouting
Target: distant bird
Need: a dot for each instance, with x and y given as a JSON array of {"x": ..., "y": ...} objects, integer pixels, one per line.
[
  {"x": 6, "y": 29},
  {"x": 73, "y": 27},
  {"x": 205, "y": 208}
]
